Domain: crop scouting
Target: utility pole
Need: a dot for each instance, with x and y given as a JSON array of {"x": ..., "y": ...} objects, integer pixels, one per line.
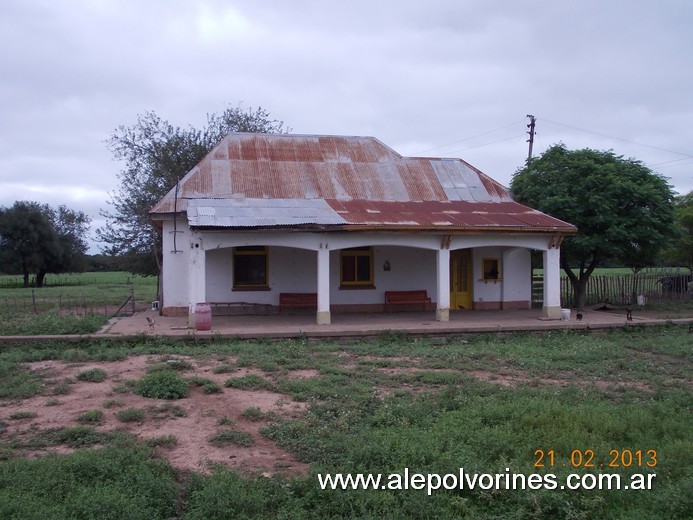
[{"x": 532, "y": 123}]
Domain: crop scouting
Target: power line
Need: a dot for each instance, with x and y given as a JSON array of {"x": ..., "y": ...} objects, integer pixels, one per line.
[
  {"x": 485, "y": 144},
  {"x": 616, "y": 138},
  {"x": 469, "y": 138}
]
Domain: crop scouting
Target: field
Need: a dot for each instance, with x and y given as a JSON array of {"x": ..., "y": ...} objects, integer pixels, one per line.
[
  {"x": 87, "y": 434},
  {"x": 69, "y": 303}
]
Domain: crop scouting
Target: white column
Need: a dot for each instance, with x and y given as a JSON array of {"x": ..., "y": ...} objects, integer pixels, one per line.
[
  {"x": 552, "y": 284},
  {"x": 504, "y": 271},
  {"x": 323, "y": 315},
  {"x": 443, "y": 285},
  {"x": 196, "y": 279}
]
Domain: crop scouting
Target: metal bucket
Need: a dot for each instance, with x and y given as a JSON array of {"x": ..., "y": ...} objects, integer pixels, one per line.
[{"x": 565, "y": 314}]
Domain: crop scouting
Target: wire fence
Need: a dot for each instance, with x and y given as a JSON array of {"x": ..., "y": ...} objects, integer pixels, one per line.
[
  {"x": 81, "y": 304},
  {"x": 632, "y": 289}
]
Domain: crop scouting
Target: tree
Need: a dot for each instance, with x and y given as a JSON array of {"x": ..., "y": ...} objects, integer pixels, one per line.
[
  {"x": 158, "y": 154},
  {"x": 35, "y": 238},
  {"x": 623, "y": 210},
  {"x": 681, "y": 251}
]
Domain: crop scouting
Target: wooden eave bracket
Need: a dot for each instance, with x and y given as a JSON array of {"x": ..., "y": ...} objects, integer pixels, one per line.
[
  {"x": 555, "y": 241},
  {"x": 445, "y": 241}
]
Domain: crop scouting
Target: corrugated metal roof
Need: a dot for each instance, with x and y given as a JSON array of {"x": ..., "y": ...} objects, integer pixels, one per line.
[
  {"x": 259, "y": 180},
  {"x": 447, "y": 214},
  {"x": 280, "y": 166},
  {"x": 261, "y": 212}
]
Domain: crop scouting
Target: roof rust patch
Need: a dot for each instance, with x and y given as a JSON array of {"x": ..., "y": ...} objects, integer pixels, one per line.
[{"x": 343, "y": 181}]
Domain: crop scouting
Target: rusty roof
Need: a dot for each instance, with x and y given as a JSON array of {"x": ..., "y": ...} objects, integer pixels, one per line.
[
  {"x": 260, "y": 180},
  {"x": 458, "y": 215}
]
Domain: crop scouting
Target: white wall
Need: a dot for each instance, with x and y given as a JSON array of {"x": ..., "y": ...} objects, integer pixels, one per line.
[
  {"x": 175, "y": 268},
  {"x": 517, "y": 275},
  {"x": 295, "y": 270},
  {"x": 486, "y": 291},
  {"x": 293, "y": 264},
  {"x": 516, "y": 278}
]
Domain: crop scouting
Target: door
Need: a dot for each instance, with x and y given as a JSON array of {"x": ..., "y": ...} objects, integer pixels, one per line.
[{"x": 461, "y": 279}]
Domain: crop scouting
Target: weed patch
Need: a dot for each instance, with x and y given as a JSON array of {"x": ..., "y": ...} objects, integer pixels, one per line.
[
  {"x": 226, "y": 437},
  {"x": 95, "y": 375},
  {"x": 131, "y": 415},
  {"x": 90, "y": 417},
  {"x": 164, "y": 384},
  {"x": 249, "y": 382}
]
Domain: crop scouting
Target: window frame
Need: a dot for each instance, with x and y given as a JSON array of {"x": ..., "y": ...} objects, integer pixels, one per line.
[
  {"x": 356, "y": 252},
  {"x": 488, "y": 261},
  {"x": 260, "y": 251}
]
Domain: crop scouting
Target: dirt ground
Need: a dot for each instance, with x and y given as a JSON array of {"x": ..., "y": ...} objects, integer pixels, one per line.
[{"x": 203, "y": 413}]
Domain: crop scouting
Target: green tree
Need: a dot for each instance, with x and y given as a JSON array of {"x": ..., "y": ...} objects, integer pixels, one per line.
[
  {"x": 681, "y": 251},
  {"x": 623, "y": 210},
  {"x": 37, "y": 239},
  {"x": 158, "y": 154}
]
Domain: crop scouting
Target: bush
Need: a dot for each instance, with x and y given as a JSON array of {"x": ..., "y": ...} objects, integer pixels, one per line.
[
  {"x": 164, "y": 384},
  {"x": 253, "y": 414},
  {"x": 95, "y": 375},
  {"x": 131, "y": 415},
  {"x": 90, "y": 417}
]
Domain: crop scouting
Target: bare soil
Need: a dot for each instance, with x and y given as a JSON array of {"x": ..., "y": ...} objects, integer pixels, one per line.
[
  {"x": 203, "y": 413},
  {"x": 207, "y": 414}
]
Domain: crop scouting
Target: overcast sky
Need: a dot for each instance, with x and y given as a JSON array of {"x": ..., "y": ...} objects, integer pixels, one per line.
[{"x": 447, "y": 78}]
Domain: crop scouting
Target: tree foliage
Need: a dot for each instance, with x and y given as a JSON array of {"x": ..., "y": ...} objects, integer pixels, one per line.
[
  {"x": 37, "y": 239},
  {"x": 681, "y": 251},
  {"x": 156, "y": 155},
  {"x": 623, "y": 210}
]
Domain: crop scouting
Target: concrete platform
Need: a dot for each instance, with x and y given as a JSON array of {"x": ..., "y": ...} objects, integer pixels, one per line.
[{"x": 369, "y": 325}]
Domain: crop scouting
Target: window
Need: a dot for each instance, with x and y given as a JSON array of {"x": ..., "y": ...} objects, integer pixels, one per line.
[
  {"x": 250, "y": 267},
  {"x": 491, "y": 269},
  {"x": 356, "y": 266}
]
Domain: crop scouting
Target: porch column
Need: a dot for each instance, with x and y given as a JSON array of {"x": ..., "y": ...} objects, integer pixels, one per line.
[
  {"x": 196, "y": 279},
  {"x": 443, "y": 282},
  {"x": 323, "y": 315},
  {"x": 552, "y": 284}
]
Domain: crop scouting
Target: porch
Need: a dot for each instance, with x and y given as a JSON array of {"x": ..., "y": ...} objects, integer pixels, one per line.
[{"x": 357, "y": 325}]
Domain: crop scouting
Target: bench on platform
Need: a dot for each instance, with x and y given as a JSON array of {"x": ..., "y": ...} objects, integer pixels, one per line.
[
  {"x": 297, "y": 300},
  {"x": 406, "y": 298}
]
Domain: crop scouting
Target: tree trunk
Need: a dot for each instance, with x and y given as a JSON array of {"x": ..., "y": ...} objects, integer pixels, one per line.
[
  {"x": 26, "y": 279},
  {"x": 580, "y": 288},
  {"x": 40, "y": 276}
]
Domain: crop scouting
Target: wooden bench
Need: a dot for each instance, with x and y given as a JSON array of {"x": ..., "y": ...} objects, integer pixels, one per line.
[
  {"x": 406, "y": 298},
  {"x": 297, "y": 300}
]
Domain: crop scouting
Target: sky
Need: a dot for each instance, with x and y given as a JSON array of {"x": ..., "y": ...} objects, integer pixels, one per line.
[{"x": 441, "y": 78}]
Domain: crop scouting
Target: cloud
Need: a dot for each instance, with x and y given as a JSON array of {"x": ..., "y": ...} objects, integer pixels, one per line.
[{"x": 612, "y": 75}]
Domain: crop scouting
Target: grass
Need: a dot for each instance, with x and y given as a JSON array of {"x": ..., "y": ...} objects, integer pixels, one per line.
[
  {"x": 384, "y": 405},
  {"x": 248, "y": 382},
  {"x": 16, "y": 416},
  {"x": 208, "y": 386},
  {"x": 235, "y": 437},
  {"x": 68, "y": 303}
]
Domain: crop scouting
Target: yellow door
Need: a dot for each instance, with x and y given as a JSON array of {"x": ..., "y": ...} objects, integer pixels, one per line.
[{"x": 461, "y": 279}]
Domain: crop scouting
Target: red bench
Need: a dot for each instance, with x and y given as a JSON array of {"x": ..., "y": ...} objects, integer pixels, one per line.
[
  {"x": 406, "y": 298},
  {"x": 297, "y": 300}
]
